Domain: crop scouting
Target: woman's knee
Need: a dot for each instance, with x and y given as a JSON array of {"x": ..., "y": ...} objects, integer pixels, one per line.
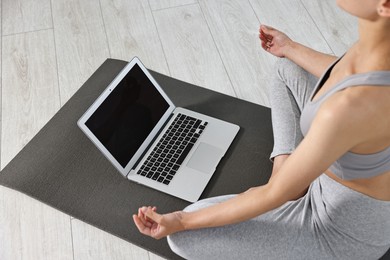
[
  {"x": 189, "y": 243},
  {"x": 174, "y": 244},
  {"x": 286, "y": 70},
  {"x": 291, "y": 81},
  {"x": 184, "y": 244}
]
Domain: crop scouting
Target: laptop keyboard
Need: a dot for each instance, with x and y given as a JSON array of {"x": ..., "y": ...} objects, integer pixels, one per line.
[{"x": 170, "y": 152}]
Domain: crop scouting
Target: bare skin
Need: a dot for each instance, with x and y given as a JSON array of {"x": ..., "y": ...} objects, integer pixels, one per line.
[{"x": 356, "y": 120}]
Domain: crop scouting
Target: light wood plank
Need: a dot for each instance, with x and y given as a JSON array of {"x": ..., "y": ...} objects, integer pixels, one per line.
[
  {"x": 92, "y": 243},
  {"x": 25, "y": 15},
  {"x": 30, "y": 89},
  {"x": 162, "y": 4},
  {"x": 190, "y": 50},
  {"x": 80, "y": 42},
  {"x": 234, "y": 27},
  {"x": 131, "y": 31},
  {"x": 288, "y": 18},
  {"x": 31, "y": 230},
  {"x": 338, "y": 27}
]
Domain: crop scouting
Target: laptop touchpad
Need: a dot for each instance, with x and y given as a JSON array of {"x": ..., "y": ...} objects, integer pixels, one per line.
[{"x": 205, "y": 158}]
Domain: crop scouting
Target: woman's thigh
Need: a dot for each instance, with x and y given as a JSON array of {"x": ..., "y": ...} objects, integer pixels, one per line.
[{"x": 274, "y": 235}]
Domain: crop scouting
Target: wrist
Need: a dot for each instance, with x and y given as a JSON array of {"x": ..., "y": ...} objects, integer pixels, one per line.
[
  {"x": 289, "y": 49},
  {"x": 183, "y": 220}
]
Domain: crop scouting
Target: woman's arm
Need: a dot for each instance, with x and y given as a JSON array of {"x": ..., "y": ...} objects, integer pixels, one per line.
[
  {"x": 334, "y": 131},
  {"x": 310, "y": 60},
  {"x": 280, "y": 45}
]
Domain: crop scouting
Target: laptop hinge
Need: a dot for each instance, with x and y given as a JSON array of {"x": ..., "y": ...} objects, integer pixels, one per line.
[{"x": 152, "y": 142}]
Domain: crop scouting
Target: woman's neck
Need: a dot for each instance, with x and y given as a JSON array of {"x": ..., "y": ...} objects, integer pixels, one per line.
[
  {"x": 374, "y": 36},
  {"x": 372, "y": 50}
]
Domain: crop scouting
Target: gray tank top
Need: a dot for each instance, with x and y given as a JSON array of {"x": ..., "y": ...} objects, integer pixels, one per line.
[{"x": 350, "y": 165}]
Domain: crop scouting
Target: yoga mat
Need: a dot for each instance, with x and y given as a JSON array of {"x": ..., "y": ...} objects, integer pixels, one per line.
[{"x": 63, "y": 169}]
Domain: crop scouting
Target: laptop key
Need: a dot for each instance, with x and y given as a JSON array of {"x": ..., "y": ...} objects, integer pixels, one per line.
[{"x": 155, "y": 176}]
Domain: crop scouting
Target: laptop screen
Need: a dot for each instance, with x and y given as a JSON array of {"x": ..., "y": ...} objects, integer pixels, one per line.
[{"x": 128, "y": 115}]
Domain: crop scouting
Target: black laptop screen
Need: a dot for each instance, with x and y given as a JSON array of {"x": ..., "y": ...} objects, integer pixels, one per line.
[{"x": 128, "y": 115}]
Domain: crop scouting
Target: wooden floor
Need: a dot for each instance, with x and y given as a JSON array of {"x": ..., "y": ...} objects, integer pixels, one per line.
[{"x": 50, "y": 47}]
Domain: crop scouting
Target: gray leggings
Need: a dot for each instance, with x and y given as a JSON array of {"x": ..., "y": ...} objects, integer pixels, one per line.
[
  {"x": 288, "y": 93},
  {"x": 330, "y": 222}
]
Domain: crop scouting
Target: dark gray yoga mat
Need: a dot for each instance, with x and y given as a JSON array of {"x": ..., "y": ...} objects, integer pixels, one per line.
[{"x": 63, "y": 169}]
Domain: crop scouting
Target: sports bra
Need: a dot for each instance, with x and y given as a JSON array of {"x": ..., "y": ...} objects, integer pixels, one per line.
[{"x": 350, "y": 165}]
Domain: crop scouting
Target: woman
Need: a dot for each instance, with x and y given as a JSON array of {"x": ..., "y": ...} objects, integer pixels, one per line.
[{"x": 329, "y": 193}]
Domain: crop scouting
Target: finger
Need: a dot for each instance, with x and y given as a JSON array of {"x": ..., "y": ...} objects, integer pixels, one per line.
[
  {"x": 266, "y": 28},
  {"x": 264, "y": 46},
  {"x": 154, "y": 209},
  {"x": 268, "y": 31},
  {"x": 266, "y": 37},
  {"x": 141, "y": 227},
  {"x": 152, "y": 214},
  {"x": 141, "y": 213},
  {"x": 144, "y": 209},
  {"x": 150, "y": 220},
  {"x": 262, "y": 37},
  {"x": 143, "y": 218}
]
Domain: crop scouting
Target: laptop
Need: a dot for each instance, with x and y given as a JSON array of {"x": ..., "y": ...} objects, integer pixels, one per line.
[{"x": 150, "y": 141}]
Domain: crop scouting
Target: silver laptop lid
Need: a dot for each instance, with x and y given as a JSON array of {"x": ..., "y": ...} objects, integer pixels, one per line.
[{"x": 127, "y": 116}]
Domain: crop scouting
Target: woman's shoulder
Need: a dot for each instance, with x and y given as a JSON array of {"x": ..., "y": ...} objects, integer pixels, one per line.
[
  {"x": 363, "y": 111},
  {"x": 367, "y": 99}
]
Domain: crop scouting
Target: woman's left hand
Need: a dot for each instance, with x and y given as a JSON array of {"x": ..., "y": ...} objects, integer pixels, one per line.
[{"x": 155, "y": 225}]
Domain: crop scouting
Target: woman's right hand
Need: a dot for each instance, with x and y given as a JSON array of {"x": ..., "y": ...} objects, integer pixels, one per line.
[
  {"x": 155, "y": 225},
  {"x": 274, "y": 41}
]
